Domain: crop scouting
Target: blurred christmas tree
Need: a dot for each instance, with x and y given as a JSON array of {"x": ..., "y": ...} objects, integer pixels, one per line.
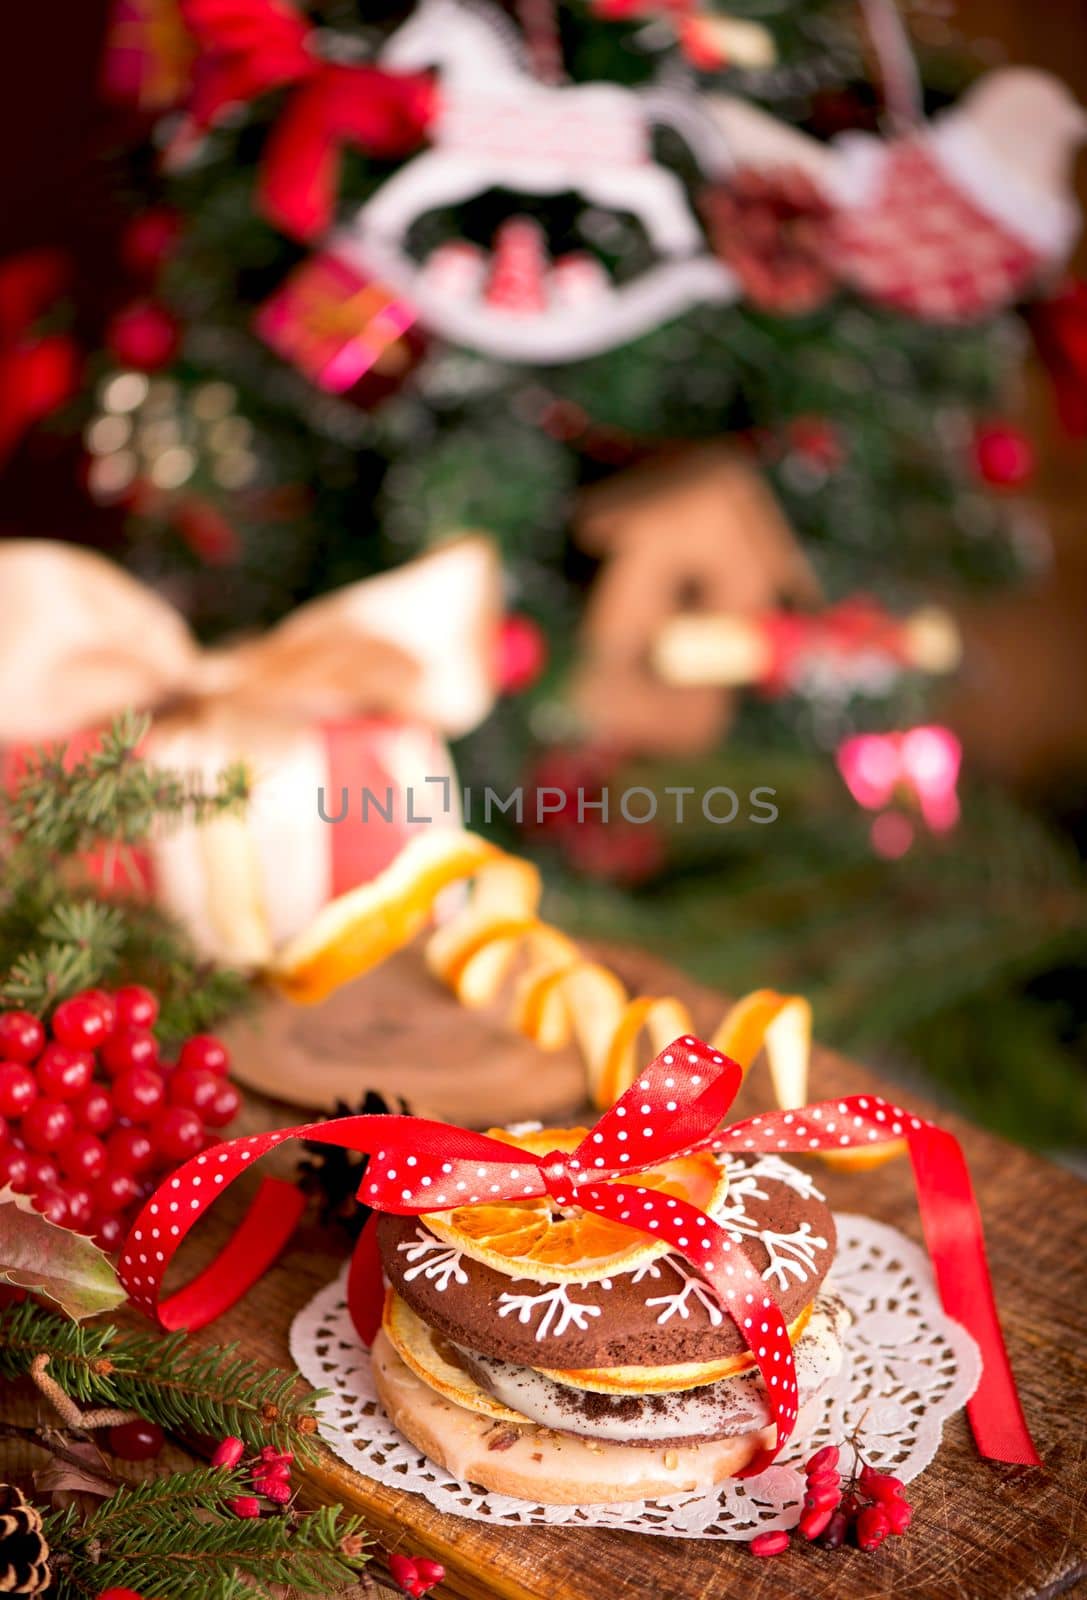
[{"x": 398, "y": 271}]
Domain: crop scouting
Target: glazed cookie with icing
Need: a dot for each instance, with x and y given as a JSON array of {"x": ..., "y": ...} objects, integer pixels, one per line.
[
  {"x": 625, "y": 1387},
  {"x": 662, "y": 1314}
]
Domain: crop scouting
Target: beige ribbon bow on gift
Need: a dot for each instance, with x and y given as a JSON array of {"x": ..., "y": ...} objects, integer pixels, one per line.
[{"x": 80, "y": 640}]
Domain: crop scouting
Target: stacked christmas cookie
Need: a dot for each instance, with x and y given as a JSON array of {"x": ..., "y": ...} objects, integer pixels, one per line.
[{"x": 547, "y": 1353}]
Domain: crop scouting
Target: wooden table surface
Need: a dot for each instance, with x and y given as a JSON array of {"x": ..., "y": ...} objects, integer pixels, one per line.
[{"x": 981, "y": 1531}]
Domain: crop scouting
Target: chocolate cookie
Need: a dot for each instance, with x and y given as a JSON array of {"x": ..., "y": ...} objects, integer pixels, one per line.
[{"x": 659, "y": 1315}]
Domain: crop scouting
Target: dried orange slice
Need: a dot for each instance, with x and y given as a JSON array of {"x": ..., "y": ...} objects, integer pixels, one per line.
[
  {"x": 431, "y": 1359},
  {"x": 538, "y": 1239},
  {"x": 664, "y": 1380}
]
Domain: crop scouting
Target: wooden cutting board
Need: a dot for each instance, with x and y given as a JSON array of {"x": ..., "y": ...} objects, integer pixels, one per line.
[
  {"x": 981, "y": 1532},
  {"x": 400, "y": 1032}
]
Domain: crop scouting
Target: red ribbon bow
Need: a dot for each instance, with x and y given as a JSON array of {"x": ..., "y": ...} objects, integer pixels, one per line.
[
  {"x": 248, "y": 47},
  {"x": 675, "y": 1108}
]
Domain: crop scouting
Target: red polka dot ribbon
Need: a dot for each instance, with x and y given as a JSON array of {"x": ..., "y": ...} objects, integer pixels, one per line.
[{"x": 674, "y": 1109}]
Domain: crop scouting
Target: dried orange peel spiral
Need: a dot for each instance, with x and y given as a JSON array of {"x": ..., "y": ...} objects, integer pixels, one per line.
[{"x": 495, "y": 937}]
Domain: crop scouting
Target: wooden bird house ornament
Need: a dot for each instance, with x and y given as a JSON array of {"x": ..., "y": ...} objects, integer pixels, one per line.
[{"x": 697, "y": 532}]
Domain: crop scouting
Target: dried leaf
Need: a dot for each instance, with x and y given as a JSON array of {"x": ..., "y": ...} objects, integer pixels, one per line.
[
  {"x": 60, "y": 1265},
  {"x": 65, "y": 1480}
]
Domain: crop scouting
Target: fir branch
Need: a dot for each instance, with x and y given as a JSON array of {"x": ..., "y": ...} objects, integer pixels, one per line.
[
  {"x": 58, "y": 934},
  {"x": 63, "y": 807},
  {"x": 212, "y": 1392},
  {"x": 171, "y": 1537}
]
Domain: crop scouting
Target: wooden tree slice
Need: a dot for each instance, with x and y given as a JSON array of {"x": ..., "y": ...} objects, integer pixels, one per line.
[{"x": 397, "y": 1030}]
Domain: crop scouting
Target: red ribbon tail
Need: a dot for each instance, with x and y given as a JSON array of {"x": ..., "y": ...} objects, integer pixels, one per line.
[
  {"x": 956, "y": 1244},
  {"x": 365, "y": 1296},
  {"x": 262, "y": 1234}
]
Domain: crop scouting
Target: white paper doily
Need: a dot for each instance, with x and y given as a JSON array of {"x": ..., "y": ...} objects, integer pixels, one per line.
[{"x": 907, "y": 1367}]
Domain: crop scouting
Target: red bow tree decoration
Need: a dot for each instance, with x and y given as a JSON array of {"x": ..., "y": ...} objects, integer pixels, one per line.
[
  {"x": 675, "y": 1108},
  {"x": 247, "y": 47},
  {"x": 37, "y": 371}
]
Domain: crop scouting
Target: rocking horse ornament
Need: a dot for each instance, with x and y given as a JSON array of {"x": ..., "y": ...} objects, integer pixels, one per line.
[{"x": 497, "y": 127}]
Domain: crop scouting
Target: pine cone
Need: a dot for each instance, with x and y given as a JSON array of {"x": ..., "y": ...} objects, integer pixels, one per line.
[
  {"x": 24, "y": 1554},
  {"x": 334, "y": 1174}
]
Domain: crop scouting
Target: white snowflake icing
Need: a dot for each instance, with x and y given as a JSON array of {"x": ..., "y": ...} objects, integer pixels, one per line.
[
  {"x": 743, "y": 1175},
  {"x": 437, "y": 1261},
  {"x": 559, "y": 1311},
  {"x": 789, "y": 1252},
  {"x": 691, "y": 1285}
]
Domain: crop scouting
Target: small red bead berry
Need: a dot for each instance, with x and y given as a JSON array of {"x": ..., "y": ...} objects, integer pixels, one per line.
[
  {"x": 53, "y": 1206},
  {"x": 82, "y": 1156},
  {"x": 228, "y": 1452},
  {"x": 404, "y": 1572},
  {"x": 836, "y": 1532},
  {"x": 136, "y": 1441},
  {"x": 245, "y": 1505},
  {"x": 80, "y": 1205},
  {"x": 851, "y": 1504},
  {"x": 47, "y": 1124},
  {"x": 130, "y": 1150},
  {"x": 108, "y": 1231},
  {"x": 899, "y": 1514},
  {"x": 106, "y": 1004},
  {"x": 194, "y": 1087},
  {"x": 138, "y": 1093},
  {"x": 63, "y": 1072},
  {"x": 274, "y": 1463},
  {"x": 881, "y": 1485},
  {"x": 769, "y": 1544},
  {"x": 120, "y": 1594},
  {"x": 815, "y": 1521},
  {"x": 129, "y": 1047},
  {"x": 177, "y": 1133},
  {"x": 115, "y": 1191},
  {"x": 431, "y": 1572},
  {"x": 13, "y": 1168},
  {"x": 21, "y": 1036},
  {"x": 94, "y": 1109},
  {"x": 820, "y": 1495},
  {"x": 823, "y": 1459},
  {"x": 224, "y": 1108},
  {"x": 872, "y": 1528},
  {"x": 136, "y": 1006},
  {"x": 274, "y": 1489},
  {"x": 206, "y": 1051},
  {"x": 18, "y": 1089},
  {"x": 81, "y": 1023},
  {"x": 41, "y": 1172}
]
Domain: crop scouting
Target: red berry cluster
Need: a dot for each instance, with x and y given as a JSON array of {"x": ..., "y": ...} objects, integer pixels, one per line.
[
  {"x": 269, "y": 1473},
  {"x": 866, "y": 1508},
  {"x": 416, "y": 1575},
  {"x": 91, "y": 1117}
]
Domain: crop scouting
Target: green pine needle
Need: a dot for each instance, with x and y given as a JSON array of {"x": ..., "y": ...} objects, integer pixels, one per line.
[
  {"x": 213, "y": 1392},
  {"x": 172, "y": 1538},
  {"x": 58, "y": 934}
]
